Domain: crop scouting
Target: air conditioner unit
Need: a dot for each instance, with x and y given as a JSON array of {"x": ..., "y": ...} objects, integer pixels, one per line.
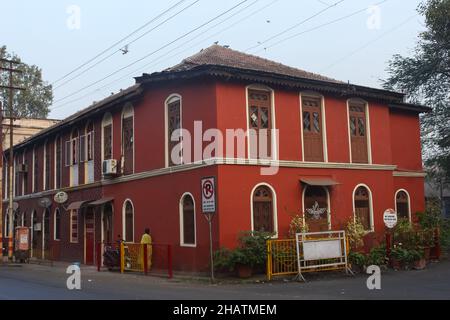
[
  {"x": 109, "y": 167},
  {"x": 22, "y": 168}
]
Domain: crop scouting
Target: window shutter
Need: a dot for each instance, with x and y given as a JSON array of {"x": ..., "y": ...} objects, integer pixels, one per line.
[
  {"x": 83, "y": 148},
  {"x": 68, "y": 153}
]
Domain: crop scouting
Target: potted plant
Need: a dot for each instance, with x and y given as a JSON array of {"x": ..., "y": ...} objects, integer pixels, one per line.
[
  {"x": 418, "y": 259},
  {"x": 377, "y": 256},
  {"x": 358, "y": 261},
  {"x": 355, "y": 233},
  {"x": 399, "y": 257},
  {"x": 297, "y": 225}
]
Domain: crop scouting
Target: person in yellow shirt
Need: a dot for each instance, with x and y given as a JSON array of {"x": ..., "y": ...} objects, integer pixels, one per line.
[{"x": 147, "y": 240}]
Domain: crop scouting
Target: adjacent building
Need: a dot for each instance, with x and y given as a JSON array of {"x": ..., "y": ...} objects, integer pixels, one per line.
[{"x": 332, "y": 151}]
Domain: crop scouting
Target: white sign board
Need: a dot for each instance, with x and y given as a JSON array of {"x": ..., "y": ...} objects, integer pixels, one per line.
[
  {"x": 323, "y": 249},
  {"x": 390, "y": 218},
  {"x": 60, "y": 197},
  {"x": 208, "y": 189}
]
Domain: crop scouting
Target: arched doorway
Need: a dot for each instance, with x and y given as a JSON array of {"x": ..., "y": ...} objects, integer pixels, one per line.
[
  {"x": 316, "y": 208},
  {"x": 363, "y": 209},
  {"x": 46, "y": 254},
  {"x": 34, "y": 233},
  {"x": 89, "y": 235},
  {"x": 402, "y": 204},
  {"x": 263, "y": 209}
]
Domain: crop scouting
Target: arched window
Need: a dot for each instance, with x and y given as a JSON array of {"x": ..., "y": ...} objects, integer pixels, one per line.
[
  {"x": 87, "y": 152},
  {"x": 402, "y": 204},
  {"x": 24, "y": 216},
  {"x": 263, "y": 209},
  {"x": 47, "y": 157},
  {"x": 35, "y": 171},
  {"x": 58, "y": 162},
  {"x": 128, "y": 139},
  {"x": 363, "y": 206},
  {"x": 46, "y": 235},
  {"x": 316, "y": 208},
  {"x": 107, "y": 137},
  {"x": 187, "y": 220},
  {"x": 128, "y": 221},
  {"x": 34, "y": 233},
  {"x": 57, "y": 225},
  {"x": 173, "y": 122}
]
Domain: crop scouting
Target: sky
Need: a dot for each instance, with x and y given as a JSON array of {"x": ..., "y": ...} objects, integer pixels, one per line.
[{"x": 348, "y": 40}]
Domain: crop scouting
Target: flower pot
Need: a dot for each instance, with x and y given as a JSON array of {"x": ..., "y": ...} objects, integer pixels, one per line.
[
  {"x": 420, "y": 264},
  {"x": 427, "y": 253},
  {"x": 244, "y": 271}
]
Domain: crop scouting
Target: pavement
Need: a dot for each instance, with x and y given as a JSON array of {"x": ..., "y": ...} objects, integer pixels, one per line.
[{"x": 30, "y": 281}]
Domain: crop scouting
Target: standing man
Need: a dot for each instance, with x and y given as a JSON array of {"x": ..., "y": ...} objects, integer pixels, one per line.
[{"x": 147, "y": 240}]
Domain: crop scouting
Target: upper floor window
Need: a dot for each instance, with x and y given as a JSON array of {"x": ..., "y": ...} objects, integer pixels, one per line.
[
  {"x": 58, "y": 162},
  {"x": 86, "y": 143},
  {"x": 47, "y": 158},
  {"x": 25, "y": 173},
  {"x": 72, "y": 149},
  {"x": 127, "y": 139},
  {"x": 173, "y": 109},
  {"x": 260, "y": 123},
  {"x": 312, "y": 128},
  {"x": 35, "y": 171},
  {"x": 358, "y": 131},
  {"x": 107, "y": 138}
]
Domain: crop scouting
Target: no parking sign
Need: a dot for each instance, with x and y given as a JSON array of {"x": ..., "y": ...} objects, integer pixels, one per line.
[{"x": 208, "y": 187}]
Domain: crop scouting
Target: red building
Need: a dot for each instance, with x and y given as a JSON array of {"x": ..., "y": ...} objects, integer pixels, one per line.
[{"x": 347, "y": 150}]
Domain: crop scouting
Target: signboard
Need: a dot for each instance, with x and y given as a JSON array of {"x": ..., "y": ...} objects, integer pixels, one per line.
[
  {"x": 390, "y": 218},
  {"x": 208, "y": 188},
  {"x": 22, "y": 236},
  {"x": 61, "y": 197},
  {"x": 45, "y": 202},
  {"x": 321, "y": 249}
]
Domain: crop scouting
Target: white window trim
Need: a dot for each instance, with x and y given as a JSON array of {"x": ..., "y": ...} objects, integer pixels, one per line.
[
  {"x": 170, "y": 99},
  {"x": 409, "y": 202},
  {"x": 54, "y": 224},
  {"x": 181, "y": 212},
  {"x": 124, "y": 229},
  {"x": 107, "y": 120},
  {"x": 368, "y": 132},
  {"x": 128, "y": 111},
  {"x": 372, "y": 224},
  {"x": 274, "y": 207},
  {"x": 324, "y": 124},
  {"x": 86, "y": 162},
  {"x": 78, "y": 226},
  {"x": 328, "y": 204},
  {"x": 274, "y": 145}
]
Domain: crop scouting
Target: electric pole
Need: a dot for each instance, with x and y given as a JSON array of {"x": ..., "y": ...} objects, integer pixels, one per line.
[{"x": 11, "y": 89}]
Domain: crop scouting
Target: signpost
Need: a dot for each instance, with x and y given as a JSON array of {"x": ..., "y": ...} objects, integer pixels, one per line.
[
  {"x": 390, "y": 220},
  {"x": 208, "y": 190}
]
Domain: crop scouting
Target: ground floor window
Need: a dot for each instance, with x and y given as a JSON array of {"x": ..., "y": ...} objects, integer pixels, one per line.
[
  {"x": 129, "y": 221},
  {"x": 316, "y": 208},
  {"x": 263, "y": 214},
  {"x": 402, "y": 204},
  {"x": 74, "y": 226},
  {"x": 187, "y": 219},
  {"x": 57, "y": 225},
  {"x": 363, "y": 209}
]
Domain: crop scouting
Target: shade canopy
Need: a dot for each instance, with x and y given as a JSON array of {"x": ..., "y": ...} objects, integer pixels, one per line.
[
  {"x": 75, "y": 205},
  {"x": 319, "y": 181},
  {"x": 101, "y": 201}
]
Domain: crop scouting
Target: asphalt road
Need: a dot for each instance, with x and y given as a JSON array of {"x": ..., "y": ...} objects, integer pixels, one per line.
[{"x": 45, "y": 282}]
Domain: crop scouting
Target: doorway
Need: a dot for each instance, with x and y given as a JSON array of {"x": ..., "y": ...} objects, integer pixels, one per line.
[
  {"x": 89, "y": 229},
  {"x": 46, "y": 234}
]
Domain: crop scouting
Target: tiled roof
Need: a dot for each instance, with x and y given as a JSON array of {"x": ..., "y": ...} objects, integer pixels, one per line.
[{"x": 222, "y": 56}]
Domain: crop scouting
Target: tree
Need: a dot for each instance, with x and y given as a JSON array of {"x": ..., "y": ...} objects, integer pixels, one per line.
[
  {"x": 425, "y": 78},
  {"x": 35, "y": 100}
]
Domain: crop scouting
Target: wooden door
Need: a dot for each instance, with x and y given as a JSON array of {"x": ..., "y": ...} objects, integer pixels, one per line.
[
  {"x": 362, "y": 207},
  {"x": 89, "y": 227},
  {"x": 312, "y": 129},
  {"x": 358, "y": 133},
  {"x": 128, "y": 145},
  {"x": 263, "y": 210},
  {"x": 316, "y": 208},
  {"x": 260, "y": 120}
]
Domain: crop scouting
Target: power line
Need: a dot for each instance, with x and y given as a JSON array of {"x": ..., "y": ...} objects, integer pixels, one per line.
[
  {"x": 294, "y": 26},
  {"x": 157, "y": 60},
  {"x": 118, "y": 42},
  {"x": 369, "y": 43},
  {"x": 155, "y": 51},
  {"x": 320, "y": 26}
]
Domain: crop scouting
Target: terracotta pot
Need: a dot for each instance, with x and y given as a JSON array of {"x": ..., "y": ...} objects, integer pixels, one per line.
[
  {"x": 244, "y": 271},
  {"x": 420, "y": 264}
]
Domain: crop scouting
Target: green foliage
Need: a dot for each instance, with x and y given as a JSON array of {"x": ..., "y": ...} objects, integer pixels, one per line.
[
  {"x": 357, "y": 259},
  {"x": 297, "y": 225},
  {"x": 35, "y": 100},
  {"x": 425, "y": 78},
  {"x": 401, "y": 254},
  {"x": 431, "y": 219},
  {"x": 251, "y": 251},
  {"x": 377, "y": 256},
  {"x": 355, "y": 233}
]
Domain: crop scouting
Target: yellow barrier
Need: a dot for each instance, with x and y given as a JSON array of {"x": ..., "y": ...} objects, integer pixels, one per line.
[
  {"x": 132, "y": 257},
  {"x": 282, "y": 258}
]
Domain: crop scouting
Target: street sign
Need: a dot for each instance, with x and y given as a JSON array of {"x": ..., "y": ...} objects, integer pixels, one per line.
[
  {"x": 390, "y": 218},
  {"x": 61, "y": 197},
  {"x": 208, "y": 188}
]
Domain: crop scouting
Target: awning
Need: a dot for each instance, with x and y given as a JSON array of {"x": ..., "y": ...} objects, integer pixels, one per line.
[
  {"x": 75, "y": 205},
  {"x": 101, "y": 201},
  {"x": 319, "y": 181}
]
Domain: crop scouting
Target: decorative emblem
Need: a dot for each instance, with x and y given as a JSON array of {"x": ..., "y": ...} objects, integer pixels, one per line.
[{"x": 315, "y": 212}]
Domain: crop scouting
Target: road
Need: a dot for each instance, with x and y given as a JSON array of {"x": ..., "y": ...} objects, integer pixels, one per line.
[{"x": 45, "y": 282}]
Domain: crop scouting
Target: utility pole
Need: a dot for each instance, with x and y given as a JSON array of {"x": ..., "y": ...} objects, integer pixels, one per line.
[{"x": 11, "y": 88}]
